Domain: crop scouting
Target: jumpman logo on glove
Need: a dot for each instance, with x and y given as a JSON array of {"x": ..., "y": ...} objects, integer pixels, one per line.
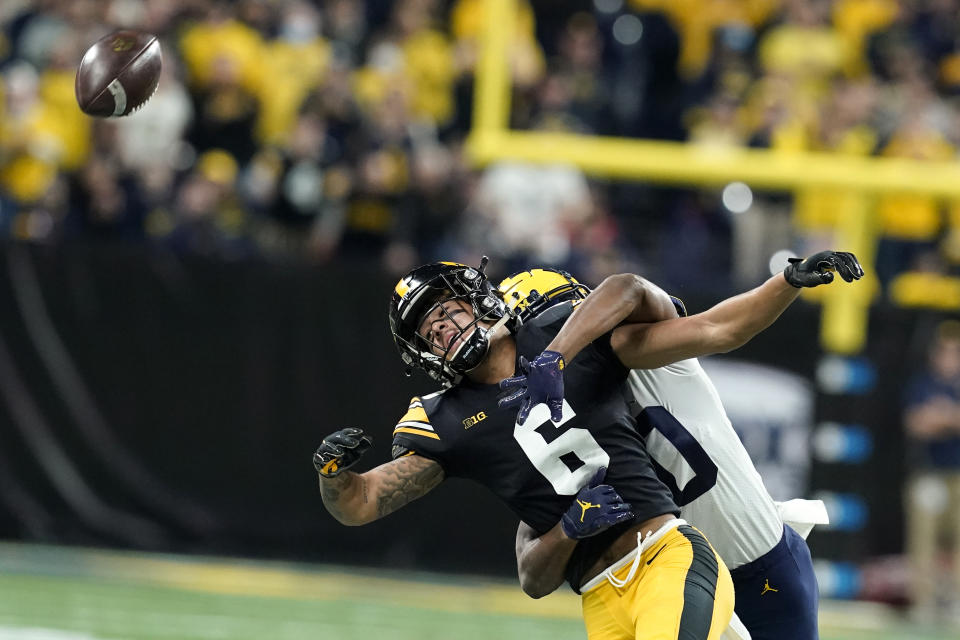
[
  {"x": 584, "y": 506},
  {"x": 595, "y": 508}
]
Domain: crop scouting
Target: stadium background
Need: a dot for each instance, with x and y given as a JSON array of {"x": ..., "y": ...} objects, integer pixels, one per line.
[{"x": 191, "y": 297}]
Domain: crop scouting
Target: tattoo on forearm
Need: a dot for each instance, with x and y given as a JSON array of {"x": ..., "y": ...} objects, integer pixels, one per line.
[
  {"x": 331, "y": 489},
  {"x": 381, "y": 491},
  {"x": 406, "y": 480}
]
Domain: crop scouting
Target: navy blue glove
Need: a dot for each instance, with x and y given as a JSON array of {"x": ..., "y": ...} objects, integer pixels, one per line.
[
  {"x": 340, "y": 450},
  {"x": 818, "y": 269},
  {"x": 542, "y": 382},
  {"x": 596, "y": 508}
]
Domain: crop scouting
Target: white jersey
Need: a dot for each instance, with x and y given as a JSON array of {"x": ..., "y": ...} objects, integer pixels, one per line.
[{"x": 690, "y": 437}]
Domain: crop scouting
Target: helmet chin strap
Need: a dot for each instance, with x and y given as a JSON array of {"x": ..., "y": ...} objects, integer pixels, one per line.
[
  {"x": 463, "y": 343},
  {"x": 490, "y": 333},
  {"x": 502, "y": 321}
]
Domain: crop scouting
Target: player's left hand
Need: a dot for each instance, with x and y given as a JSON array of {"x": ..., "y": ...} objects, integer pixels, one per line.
[
  {"x": 340, "y": 450},
  {"x": 596, "y": 508},
  {"x": 542, "y": 382},
  {"x": 819, "y": 268}
]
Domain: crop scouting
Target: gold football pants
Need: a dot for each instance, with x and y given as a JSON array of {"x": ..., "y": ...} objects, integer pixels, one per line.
[{"x": 680, "y": 590}]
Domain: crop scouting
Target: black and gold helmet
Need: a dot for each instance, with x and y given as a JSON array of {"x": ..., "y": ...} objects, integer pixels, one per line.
[
  {"x": 426, "y": 288},
  {"x": 527, "y": 293}
]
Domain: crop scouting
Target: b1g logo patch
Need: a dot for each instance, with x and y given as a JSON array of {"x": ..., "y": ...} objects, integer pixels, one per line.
[{"x": 472, "y": 420}]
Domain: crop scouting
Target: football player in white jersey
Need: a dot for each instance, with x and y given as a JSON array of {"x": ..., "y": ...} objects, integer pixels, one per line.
[{"x": 700, "y": 458}]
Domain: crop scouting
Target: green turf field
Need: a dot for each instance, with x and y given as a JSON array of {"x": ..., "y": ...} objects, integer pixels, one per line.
[{"x": 52, "y": 593}]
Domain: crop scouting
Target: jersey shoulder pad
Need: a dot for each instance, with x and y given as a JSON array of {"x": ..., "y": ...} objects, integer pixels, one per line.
[
  {"x": 416, "y": 422},
  {"x": 414, "y": 434}
]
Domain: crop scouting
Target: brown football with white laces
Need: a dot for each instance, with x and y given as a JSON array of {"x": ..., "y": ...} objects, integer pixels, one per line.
[{"x": 118, "y": 74}]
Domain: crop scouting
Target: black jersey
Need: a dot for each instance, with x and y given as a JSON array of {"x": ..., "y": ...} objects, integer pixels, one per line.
[{"x": 537, "y": 467}]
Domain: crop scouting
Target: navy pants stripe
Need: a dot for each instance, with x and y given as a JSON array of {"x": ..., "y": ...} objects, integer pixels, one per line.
[
  {"x": 777, "y": 594},
  {"x": 700, "y": 589}
]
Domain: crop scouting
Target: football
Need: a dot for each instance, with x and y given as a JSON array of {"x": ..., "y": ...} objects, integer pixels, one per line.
[{"x": 118, "y": 74}]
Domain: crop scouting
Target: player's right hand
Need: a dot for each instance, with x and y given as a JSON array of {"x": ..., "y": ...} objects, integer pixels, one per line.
[
  {"x": 597, "y": 507},
  {"x": 818, "y": 269},
  {"x": 340, "y": 451},
  {"x": 541, "y": 383}
]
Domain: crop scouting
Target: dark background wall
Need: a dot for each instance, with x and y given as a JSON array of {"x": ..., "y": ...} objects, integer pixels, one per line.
[{"x": 150, "y": 401}]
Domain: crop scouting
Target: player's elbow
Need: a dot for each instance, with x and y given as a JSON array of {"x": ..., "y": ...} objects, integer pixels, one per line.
[
  {"x": 348, "y": 520},
  {"x": 350, "y": 515},
  {"x": 630, "y": 286},
  {"x": 534, "y": 588},
  {"x": 537, "y": 583},
  {"x": 536, "y": 594}
]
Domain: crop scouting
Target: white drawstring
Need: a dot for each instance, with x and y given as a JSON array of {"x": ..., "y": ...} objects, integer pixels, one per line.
[
  {"x": 617, "y": 582},
  {"x": 643, "y": 543}
]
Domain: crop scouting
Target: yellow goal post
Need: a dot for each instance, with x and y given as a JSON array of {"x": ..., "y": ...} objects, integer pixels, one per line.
[{"x": 845, "y": 309}]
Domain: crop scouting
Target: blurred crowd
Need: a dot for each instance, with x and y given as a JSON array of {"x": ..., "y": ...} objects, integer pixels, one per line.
[{"x": 290, "y": 129}]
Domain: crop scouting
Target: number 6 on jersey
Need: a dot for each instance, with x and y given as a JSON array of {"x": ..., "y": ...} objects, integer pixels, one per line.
[{"x": 546, "y": 457}]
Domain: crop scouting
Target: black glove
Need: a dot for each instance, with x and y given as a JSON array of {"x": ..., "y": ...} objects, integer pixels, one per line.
[
  {"x": 818, "y": 269},
  {"x": 340, "y": 451},
  {"x": 596, "y": 508}
]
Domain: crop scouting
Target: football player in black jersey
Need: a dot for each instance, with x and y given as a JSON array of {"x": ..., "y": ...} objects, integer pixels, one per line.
[{"x": 556, "y": 468}]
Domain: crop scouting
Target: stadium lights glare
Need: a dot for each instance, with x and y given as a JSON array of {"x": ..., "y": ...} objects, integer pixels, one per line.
[
  {"x": 778, "y": 261},
  {"x": 737, "y": 197},
  {"x": 608, "y": 6},
  {"x": 627, "y": 29}
]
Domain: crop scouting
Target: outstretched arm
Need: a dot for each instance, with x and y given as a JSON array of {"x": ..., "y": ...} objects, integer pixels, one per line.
[
  {"x": 723, "y": 327},
  {"x": 726, "y": 326},
  {"x": 359, "y": 498}
]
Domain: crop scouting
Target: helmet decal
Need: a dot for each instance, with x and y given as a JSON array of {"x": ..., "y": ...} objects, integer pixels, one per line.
[{"x": 402, "y": 287}]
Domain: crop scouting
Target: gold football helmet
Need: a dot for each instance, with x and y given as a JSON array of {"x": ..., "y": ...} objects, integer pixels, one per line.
[{"x": 527, "y": 293}]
